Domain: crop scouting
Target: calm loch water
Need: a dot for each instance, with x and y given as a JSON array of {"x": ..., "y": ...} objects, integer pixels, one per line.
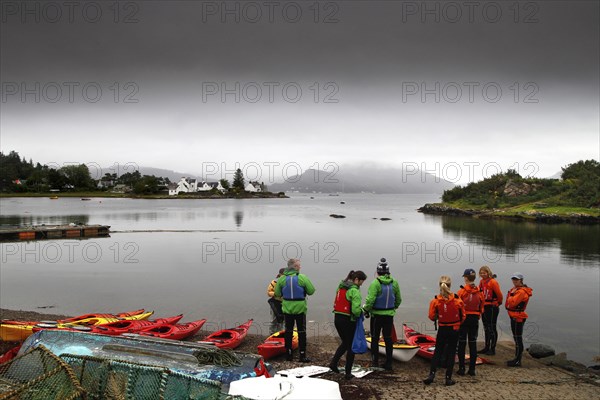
[{"x": 214, "y": 258}]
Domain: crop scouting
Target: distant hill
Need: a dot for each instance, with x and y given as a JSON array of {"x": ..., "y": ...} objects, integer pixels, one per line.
[
  {"x": 174, "y": 176},
  {"x": 363, "y": 179}
]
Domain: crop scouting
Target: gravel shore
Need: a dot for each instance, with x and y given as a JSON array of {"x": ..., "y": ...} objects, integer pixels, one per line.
[{"x": 533, "y": 380}]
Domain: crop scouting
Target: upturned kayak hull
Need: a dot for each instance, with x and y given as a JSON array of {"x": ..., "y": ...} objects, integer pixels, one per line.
[{"x": 181, "y": 357}]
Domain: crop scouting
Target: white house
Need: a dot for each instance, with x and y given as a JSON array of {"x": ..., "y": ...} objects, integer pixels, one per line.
[
  {"x": 253, "y": 187},
  {"x": 187, "y": 185}
]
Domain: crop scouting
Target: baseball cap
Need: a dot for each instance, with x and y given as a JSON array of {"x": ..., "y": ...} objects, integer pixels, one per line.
[{"x": 517, "y": 275}]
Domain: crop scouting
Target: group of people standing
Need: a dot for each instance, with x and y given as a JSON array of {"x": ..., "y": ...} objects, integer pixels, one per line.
[{"x": 457, "y": 315}]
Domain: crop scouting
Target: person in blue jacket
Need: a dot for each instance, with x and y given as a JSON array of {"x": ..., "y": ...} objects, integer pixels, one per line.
[
  {"x": 383, "y": 298},
  {"x": 293, "y": 287}
]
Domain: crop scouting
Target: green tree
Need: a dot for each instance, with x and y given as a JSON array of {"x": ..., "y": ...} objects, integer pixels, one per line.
[
  {"x": 238, "y": 180},
  {"x": 225, "y": 184},
  {"x": 78, "y": 176}
]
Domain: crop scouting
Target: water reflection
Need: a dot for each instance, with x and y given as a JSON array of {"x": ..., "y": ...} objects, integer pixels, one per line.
[
  {"x": 578, "y": 244},
  {"x": 238, "y": 216},
  {"x": 24, "y": 220}
]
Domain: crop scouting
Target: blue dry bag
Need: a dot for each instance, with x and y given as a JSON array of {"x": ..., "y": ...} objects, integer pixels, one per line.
[{"x": 359, "y": 343}]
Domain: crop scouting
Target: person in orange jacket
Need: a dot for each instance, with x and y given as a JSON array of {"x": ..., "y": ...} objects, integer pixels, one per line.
[
  {"x": 449, "y": 311},
  {"x": 493, "y": 300},
  {"x": 473, "y": 299},
  {"x": 516, "y": 303}
]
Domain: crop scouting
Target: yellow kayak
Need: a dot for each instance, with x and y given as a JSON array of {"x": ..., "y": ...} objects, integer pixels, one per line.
[{"x": 15, "y": 331}]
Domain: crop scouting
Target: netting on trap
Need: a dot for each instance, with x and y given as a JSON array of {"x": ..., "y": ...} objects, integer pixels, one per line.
[
  {"x": 122, "y": 380},
  {"x": 38, "y": 375}
]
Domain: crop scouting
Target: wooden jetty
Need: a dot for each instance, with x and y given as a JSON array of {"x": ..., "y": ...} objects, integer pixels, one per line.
[{"x": 42, "y": 232}]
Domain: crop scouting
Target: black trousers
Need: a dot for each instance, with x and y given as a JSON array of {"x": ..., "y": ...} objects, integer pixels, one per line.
[
  {"x": 381, "y": 323},
  {"x": 445, "y": 347},
  {"x": 468, "y": 331},
  {"x": 490, "y": 319},
  {"x": 517, "y": 330},
  {"x": 345, "y": 328},
  {"x": 300, "y": 321}
]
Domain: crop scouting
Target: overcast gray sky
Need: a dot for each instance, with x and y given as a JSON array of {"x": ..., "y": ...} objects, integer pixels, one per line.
[{"x": 186, "y": 84}]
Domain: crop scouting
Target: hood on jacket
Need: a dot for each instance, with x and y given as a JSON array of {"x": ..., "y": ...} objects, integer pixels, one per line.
[
  {"x": 346, "y": 284},
  {"x": 385, "y": 279},
  {"x": 527, "y": 290},
  {"x": 470, "y": 288}
]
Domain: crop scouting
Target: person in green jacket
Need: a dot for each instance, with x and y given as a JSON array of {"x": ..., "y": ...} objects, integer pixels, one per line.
[
  {"x": 347, "y": 309},
  {"x": 383, "y": 299},
  {"x": 294, "y": 287}
]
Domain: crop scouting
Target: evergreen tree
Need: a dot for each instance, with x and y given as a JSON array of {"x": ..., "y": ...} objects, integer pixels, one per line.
[{"x": 238, "y": 180}]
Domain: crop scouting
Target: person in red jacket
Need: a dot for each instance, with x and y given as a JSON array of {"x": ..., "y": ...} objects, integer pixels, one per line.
[
  {"x": 493, "y": 300},
  {"x": 347, "y": 309},
  {"x": 516, "y": 303},
  {"x": 473, "y": 299},
  {"x": 449, "y": 311}
]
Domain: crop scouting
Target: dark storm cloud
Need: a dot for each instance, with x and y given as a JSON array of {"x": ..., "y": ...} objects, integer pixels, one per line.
[{"x": 380, "y": 60}]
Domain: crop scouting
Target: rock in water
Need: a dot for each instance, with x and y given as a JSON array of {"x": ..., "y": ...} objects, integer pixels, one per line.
[{"x": 538, "y": 350}]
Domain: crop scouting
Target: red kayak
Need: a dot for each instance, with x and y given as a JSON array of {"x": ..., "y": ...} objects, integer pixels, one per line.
[
  {"x": 229, "y": 338},
  {"x": 427, "y": 344},
  {"x": 175, "y": 332},
  {"x": 274, "y": 345},
  {"x": 89, "y": 316}
]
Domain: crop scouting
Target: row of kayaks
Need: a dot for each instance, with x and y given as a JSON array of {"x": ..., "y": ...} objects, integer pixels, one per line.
[
  {"x": 132, "y": 322},
  {"x": 138, "y": 322}
]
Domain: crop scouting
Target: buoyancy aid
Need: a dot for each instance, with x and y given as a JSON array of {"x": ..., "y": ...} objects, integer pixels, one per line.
[
  {"x": 521, "y": 305},
  {"x": 489, "y": 294},
  {"x": 472, "y": 299},
  {"x": 448, "y": 312},
  {"x": 292, "y": 289},
  {"x": 341, "y": 303},
  {"x": 386, "y": 299}
]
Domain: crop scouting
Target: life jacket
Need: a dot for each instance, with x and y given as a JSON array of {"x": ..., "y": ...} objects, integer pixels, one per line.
[
  {"x": 448, "y": 312},
  {"x": 292, "y": 290},
  {"x": 519, "y": 307},
  {"x": 341, "y": 303},
  {"x": 488, "y": 294},
  {"x": 386, "y": 299},
  {"x": 472, "y": 302}
]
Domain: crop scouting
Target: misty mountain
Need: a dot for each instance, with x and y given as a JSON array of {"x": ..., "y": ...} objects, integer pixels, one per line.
[
  {"x": 174, "y": 176},
  {"x": 363, "y": 179}
]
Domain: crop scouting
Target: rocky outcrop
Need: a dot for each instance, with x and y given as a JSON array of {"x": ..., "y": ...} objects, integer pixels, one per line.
[
  {"x": 440, "y": 209},
  {"x": 530, "y": 215},
  {"x": 514, "y": 189},
  {"x": 538, "y": 350}
]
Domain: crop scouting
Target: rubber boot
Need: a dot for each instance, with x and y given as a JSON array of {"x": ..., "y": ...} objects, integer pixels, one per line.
[
  {"x": 461, "y": 370},
  {"x": 374, "y": 360},
  {"x": 303, "y": 358},
  {"x": 487, "y": 345},
  {"x": 517, "y": 361},
  {"x": 289, "y": 355},
  {"x": 492, "y": 350},
  {"x": 430, "y": 378},
  {"x": 449, "y": 380},
  {"x": 471, "y": 371}
]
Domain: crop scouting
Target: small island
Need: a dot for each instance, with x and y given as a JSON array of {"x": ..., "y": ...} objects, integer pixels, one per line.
[
  {"x": 574, "y": 198},
  {"x": 21, "y": 178}
]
